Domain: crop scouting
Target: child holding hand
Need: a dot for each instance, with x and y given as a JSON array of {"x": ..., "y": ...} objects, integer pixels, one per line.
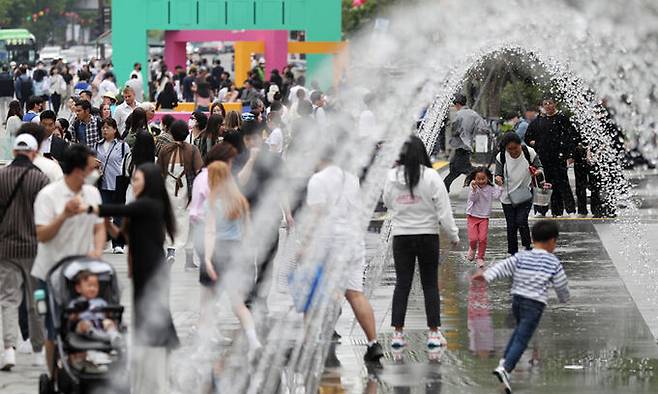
[{"x": 478, "y": 209}]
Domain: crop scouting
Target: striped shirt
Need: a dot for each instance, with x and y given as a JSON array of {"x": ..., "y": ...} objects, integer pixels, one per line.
[
  {"x": 18, "y": 237},
  {"x": 532, "y": 272}
]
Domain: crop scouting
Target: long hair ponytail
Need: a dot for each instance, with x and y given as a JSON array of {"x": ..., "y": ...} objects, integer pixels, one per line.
[{"x": 412, "y": 157}]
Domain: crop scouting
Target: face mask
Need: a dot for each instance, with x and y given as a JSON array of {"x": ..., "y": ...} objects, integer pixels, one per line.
[
  {"x": 191, "y": 123},
  {"x": 92, "y": 178}
]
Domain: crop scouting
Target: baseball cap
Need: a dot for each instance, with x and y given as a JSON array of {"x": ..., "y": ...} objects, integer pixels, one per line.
[{"x": 26, "y": 142}]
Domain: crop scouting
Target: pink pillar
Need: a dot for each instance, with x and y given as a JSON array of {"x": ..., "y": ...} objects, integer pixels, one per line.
[
  {"x": 276, "y": 50},
  {"x": 175, "y": 53}
]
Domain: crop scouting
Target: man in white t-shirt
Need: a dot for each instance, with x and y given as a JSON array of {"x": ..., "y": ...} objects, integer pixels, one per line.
[
  {"x": 48, "y": 166},
  {"x": 61, "y": 230},
  {"x": 126, "y": 108},
  {"x": 275, "y": 139},
  {"x": 335, "y": 201}
]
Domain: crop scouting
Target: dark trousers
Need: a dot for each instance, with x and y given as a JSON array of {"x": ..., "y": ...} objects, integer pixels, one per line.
[
  {"x": 406, "y": 249},
  {"x": 459, "y": 164},
  {"x": 516, "y": 218},
  {"x": 583, "y": 175},
  {"x": 562, "y": 197},
  {"x": 23, "y": 317},
  {"x": 107, "y": 196},
  {"x": 527, "y": 314},
  {"x": 56, "y": 102},
  {"x": 264, "y": 268}
]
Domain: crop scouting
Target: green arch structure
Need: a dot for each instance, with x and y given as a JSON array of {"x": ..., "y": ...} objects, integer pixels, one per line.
[{"x": 132, "y": 19}]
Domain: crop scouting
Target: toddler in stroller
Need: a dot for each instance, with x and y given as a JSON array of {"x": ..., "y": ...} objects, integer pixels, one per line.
[
  {"x": 88, "y": 317},
  {"x": 84, "y": 308}
]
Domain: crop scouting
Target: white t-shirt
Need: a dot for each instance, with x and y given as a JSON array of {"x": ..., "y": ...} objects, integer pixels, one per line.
[
  {"x": 275, "y": 140},
  {"x": 75, "y": 237},
  {"x": 367, "y": 125},
  {"x": 516, "y": 173},
  {"x": 49, "y": 167},
  {"x": 338, "y": 192},
  {"x": 107, "y": 86}
]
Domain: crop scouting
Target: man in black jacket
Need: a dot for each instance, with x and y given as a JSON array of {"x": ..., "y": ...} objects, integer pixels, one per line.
[
  {"x": 554, "y": 138},
  {"x": 52, "y": 146},
  {"x": 6, "y": 93}
]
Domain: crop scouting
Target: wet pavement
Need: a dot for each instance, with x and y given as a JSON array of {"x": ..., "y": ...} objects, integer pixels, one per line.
[{"x": 597, "y": 343}]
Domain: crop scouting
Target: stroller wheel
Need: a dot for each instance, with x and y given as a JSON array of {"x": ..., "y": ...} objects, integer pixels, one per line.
[{"x": 45, "y": 387}]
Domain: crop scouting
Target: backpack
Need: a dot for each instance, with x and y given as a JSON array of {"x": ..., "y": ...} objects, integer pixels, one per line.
[
  {"x": 27, "y": 88},
  {"x": 526, "y": 153},
  {"x": 27, "y": 118}
]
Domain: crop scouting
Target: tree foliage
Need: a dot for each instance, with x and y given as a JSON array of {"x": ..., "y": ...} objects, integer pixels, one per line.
[
  {"x": 18, "y": 14},
  {"x": 356, "y": 17}
]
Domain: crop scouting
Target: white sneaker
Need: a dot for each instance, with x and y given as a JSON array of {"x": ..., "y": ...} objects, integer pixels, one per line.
[
  {"x": 503, "y": 376},
  {"x": 540, "y": 215},
  {"x": 398, "y": 340},
  {"x": 24, "y": 347},
  {"x": 8, "y": 359},
  {"x": 118, "y": 250},
  {"x": 39, "y": 359},
  {"x": 436, "y": 339}
]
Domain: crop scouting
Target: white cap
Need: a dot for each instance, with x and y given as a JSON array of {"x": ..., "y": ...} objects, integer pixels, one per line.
[{"x": 26, "y": 142}]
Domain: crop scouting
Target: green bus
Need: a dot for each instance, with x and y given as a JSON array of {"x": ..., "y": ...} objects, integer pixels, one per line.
[{"x": 17, "y": 45}]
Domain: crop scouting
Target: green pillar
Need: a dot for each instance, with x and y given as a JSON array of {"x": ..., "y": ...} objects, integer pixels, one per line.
[
  {"x": 323, "y": 23},
  {"x": 129, "y": 40}
]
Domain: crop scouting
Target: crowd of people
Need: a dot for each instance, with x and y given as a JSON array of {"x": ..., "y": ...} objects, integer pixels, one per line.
[{"x": 109, "y": 172}]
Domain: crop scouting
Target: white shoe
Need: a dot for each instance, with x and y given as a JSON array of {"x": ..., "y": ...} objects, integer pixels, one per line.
[
  {"x": 8, "y": 359},
  {"x": 24, "y": 347},
  {"x": 436, "y": 339},
  {"x": 398, "y": 340},
  {"x": 540, "y": 215},
  {"x": 118, "y": 250},
  {"x": 39, "y": 359},
  {"x": 503, "y": 376}
]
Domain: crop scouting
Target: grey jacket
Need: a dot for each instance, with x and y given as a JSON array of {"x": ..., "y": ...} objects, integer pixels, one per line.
[{"x": 466, "y": 124}]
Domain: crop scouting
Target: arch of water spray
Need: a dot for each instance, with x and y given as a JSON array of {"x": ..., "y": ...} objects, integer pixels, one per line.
[{"x": 294, "y": 350}]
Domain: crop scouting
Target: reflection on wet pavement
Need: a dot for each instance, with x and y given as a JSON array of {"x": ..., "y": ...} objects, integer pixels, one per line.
[{"x": 597, "y": 343}]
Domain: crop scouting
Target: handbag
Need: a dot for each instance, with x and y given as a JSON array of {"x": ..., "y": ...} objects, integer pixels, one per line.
[
  {"x": 518, "y": 196},
  {"x": 122, "y": 181},
  {"x": 304, "y": 284},
  {"x": 99, "y": 182}
]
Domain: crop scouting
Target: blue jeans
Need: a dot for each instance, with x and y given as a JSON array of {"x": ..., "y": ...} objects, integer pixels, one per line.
[{"x": 527, "y": 314}]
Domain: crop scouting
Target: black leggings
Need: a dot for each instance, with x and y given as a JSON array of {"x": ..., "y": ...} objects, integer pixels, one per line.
[
  {"x": 406, "y": 248},
  {"x": 516, "y": 218}
]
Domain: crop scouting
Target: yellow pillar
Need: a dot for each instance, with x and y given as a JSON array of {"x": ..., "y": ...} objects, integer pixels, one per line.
[{"x": 243, "y": 51}]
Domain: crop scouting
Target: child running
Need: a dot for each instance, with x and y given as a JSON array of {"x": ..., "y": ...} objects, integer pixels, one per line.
[
  {"x": 478, "y": 209},
  {"x": 532, "y": 272}
]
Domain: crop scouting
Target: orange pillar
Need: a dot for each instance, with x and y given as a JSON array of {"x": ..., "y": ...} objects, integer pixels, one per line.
[{"x": 243, "y": 51}]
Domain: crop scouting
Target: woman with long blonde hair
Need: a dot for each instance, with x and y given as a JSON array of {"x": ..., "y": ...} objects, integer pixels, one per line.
[{"x": 227, "y": 216}]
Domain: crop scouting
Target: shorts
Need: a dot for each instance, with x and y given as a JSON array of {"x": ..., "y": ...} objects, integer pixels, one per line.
[
  {"x": 353, "y": 262},
  {"x": 222, "y": 260},
  {"x": 51, "y": 334}
]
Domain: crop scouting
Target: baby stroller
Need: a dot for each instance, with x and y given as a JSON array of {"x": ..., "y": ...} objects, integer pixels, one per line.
[{"x": 109, "y": 374}]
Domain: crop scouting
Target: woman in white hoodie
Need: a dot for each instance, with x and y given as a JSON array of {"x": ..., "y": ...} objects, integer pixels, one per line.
[{"x": 418, "y": 203}]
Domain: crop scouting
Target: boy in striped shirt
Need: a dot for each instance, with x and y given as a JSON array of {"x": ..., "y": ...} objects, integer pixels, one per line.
[{"x": 532, "y": 273}]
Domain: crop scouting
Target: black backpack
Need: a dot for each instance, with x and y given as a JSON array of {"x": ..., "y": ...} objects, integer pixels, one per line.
[
  {"x": 526, "y": 153},
  {"x": 27, "y": 88}
]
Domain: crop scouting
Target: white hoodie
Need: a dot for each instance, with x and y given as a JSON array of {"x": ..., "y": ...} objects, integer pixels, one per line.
[{"x": 426, "y": 211}]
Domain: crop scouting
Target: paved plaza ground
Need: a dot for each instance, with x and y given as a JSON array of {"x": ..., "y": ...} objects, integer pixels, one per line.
[{"x": 598, "y": 343}]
